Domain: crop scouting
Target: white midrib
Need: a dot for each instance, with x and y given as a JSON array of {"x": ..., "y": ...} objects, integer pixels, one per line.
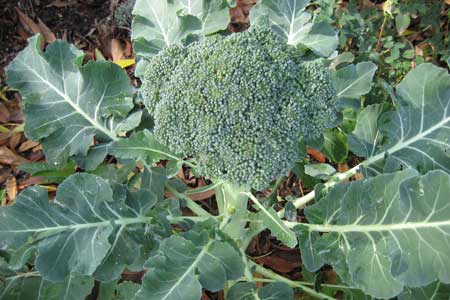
[
  {"x": 188, "y": 270},
  {"x": 117, "y": 222},
  {"x": 291, "y": 27},
  {"x": 354, "y": 82},
  {"x": 164, "y": 34},
  {"x": 148, "y": 149},
  {"x": 375, "y": 227},
  {"x": 94, "y": 122}
]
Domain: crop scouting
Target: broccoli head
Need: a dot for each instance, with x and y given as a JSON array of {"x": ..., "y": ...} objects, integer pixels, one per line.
[{"x": 238, "y": 104}]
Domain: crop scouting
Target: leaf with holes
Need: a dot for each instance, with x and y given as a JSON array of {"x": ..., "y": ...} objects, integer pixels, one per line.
[
  {"x": 67, "y": 104},
  {"x": 385, "y": 233}
]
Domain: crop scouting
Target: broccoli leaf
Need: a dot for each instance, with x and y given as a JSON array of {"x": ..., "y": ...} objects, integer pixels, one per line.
[
  {"x": 161, "y": 23},
  {"x": 289, "y": 19},
  {"x": 142, "y": 146},
  {"x": 88, "y": 226},
  {"x": 67, "y": 104},
  {"x": 385, "y": 233},
  {"x": 354, "y": 80},
  {"x": 186, "y": 264},
  {"x": 434, "y": 291},
  {"x": 366, "y": 134},
  {"x": 27, "y": 286},
  {"x": 416, "y": 134},
  {"x": 214, "y": 14}
]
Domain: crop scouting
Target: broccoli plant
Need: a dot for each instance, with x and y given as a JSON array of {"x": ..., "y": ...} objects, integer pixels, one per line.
[{"x": 236, "y": 109}]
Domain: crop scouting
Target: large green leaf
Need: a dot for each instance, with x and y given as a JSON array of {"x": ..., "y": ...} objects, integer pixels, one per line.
[
  {"x": 88, "y": 226},
  {"x": 385, "y": 233},
  {"x": 289, "y": 19},
  {"x": 67, "y": 104},
  {"x": 31, "y": 286},
  {"x": 186, "y": 264},
  {"x": 417, "y": 133},
  {"x": 161, "y": 23}
]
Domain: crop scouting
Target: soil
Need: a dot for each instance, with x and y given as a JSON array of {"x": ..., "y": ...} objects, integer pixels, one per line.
[{"x": 79, "y": 22}]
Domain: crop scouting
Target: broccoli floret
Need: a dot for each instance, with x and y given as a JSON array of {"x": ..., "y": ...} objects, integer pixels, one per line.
[
  {"x": 162, "y": 67},
  {"x": 238, "y": 104}
]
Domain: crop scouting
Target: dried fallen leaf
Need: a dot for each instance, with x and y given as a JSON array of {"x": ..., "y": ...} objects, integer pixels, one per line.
[
  {"x": 27, "y": 145},
  {"x": 4, "y": 113},
  {"x": 31, "y": 181},
  {"x": 4, "y": 173},
  {"x": 128, "y": 51},
  {"x": 279, "y": 264},
  {"x": 117, "y": 50},
  {"x": 237, "y": 15},
  {"x": 27, "y": 22},
  {"x": 49, "y": 36},
  {"x": 37, "y": 148},
  {"x": 11, "y": 189},
  {"x": 14, "y": 140},
  {"x": 8, "y": 157}
]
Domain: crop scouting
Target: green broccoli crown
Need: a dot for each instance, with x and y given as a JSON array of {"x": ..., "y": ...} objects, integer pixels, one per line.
[{"x": 238, "y": 104}]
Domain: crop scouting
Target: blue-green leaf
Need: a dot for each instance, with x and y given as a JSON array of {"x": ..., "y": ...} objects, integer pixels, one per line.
[
  {"x": 415, "y": 135},
  {"x": 385, "y": 233},
  {"x": 88, "y": 226},
  {"x": 354, "y": 81},
  {"x": 66, "y": 104},
  {"x": 186, "y": 264},
  {"x": 31, "y": 286},
  {"x": 290, "y": 20}
]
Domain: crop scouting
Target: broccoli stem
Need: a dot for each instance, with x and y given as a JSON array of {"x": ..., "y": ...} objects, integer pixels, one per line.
[
  {"x": 272, "y": 275},
  {"x": 302, "y": 201},
  {"x": 232, "y": 206},
  {"x": 194, "y": 207}
]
